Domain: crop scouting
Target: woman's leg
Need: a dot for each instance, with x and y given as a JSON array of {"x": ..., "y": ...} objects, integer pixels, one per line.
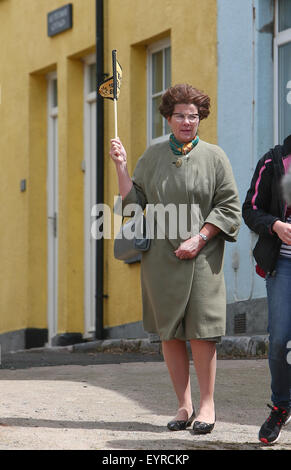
[
  {"x": 204, "y": 358},
  {"x": 176, "y": 358}
]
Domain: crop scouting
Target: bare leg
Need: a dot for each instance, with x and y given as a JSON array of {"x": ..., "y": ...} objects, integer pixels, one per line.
[
  {"x": 204, "y": 358},
  {"x": 176, "y": 357}
]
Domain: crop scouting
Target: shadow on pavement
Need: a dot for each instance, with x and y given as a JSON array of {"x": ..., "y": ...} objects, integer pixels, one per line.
[
  {"x": 185, "y": 444},
  {"x": 134, "y": 426}
]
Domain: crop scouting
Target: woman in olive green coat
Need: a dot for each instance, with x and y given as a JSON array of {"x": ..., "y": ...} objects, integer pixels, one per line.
[{"x": 182, "y": 280}]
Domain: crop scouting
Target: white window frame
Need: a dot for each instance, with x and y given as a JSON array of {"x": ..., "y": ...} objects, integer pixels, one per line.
[
  {"x": 89, "y": 60},
  {"x": 155, "y": 47},
  {"x": 281, "y": 38}
]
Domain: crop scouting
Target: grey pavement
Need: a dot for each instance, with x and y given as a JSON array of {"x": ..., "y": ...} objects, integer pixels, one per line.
[{"x": 116, "y": 395}]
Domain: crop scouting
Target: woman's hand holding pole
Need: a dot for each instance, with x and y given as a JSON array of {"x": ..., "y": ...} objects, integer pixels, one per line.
[{"x": 119, "y": 157}]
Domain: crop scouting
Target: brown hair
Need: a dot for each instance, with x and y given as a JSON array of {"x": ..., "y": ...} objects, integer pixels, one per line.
[{"x": 185, "y": 94}]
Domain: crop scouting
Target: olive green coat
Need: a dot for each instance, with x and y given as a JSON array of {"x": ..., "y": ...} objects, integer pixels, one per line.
[{"x": 185, "y": 299}]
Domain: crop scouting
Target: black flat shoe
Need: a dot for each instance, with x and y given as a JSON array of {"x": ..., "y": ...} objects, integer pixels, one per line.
[
  {"x": 180, "y": 425},
  {"x": 199, "y": 427}
]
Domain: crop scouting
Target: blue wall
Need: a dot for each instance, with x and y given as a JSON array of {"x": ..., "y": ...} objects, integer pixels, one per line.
[{"x": 245, "y": 118}]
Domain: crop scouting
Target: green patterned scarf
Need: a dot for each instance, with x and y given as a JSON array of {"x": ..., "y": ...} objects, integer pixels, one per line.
[{"x": 182, "y": 149}]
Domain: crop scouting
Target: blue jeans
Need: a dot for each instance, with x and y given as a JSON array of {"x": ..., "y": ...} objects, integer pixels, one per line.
[{"x": 279, "y": 328}]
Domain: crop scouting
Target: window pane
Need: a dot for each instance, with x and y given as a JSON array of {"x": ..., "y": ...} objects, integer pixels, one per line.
[
  {"x": 284, "y": 91},
  {"x": 54, "y": 93},
  {"x": 157, "y": 120},
  {"x": 284, "y": 14},
  {"x": 167, "y": 128},
  {"x": 167, "y": 67},
  {"x": 157, "y": 75},
  {"x": 160, "y": 80},
  {"x": 92, "y": 77}
]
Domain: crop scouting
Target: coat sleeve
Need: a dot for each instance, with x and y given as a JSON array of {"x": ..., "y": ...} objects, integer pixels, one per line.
[
  {"x": 226, "y": 209},
  {"x": 256, "y": 206},
  {"x": 137, "y": 193}
]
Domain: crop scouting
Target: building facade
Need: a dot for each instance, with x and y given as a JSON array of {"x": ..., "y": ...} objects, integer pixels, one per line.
[{"x": 58, "y": 285}]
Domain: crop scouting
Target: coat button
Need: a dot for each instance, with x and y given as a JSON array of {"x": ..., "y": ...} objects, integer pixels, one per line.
[{"x": 179, "y": 162}]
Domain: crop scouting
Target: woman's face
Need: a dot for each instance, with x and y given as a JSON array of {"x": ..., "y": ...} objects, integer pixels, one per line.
[{"x": 184, "y": 122}]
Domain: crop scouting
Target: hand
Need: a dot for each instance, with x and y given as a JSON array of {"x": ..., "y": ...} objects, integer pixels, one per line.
[
  {"x": 190, "y": 248},
  {"x": 117, "y": 152},
  {"x": 283, "y": 231}
]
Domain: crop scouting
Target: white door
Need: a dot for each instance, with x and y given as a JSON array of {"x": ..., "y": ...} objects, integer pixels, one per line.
[
  {"x": 89, "y": 195},
  {"x": 52, "y": 208}
]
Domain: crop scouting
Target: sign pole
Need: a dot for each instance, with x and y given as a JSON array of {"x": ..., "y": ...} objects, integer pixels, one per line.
[
  {"x": 110, "y": 88},
  {"x": 115, "y": 90},
  {"x": 115, "y": 118},
  {"x": 99, "y": 259}
]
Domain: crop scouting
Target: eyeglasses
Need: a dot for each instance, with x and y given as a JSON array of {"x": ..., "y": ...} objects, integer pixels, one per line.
[{"x": 180, "y": 117}]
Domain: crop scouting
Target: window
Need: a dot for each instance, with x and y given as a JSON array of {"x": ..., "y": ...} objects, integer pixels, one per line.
[
  {"x": 282, "y": 72},
  {"x": 92, "y": 77},
  {"x": 159, "y": 79},
  {"x": 284, "y": 15},
  {"x": 54, "y": 93}
]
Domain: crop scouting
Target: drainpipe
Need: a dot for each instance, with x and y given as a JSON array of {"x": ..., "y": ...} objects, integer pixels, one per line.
[{"x": 99, "y": 166}]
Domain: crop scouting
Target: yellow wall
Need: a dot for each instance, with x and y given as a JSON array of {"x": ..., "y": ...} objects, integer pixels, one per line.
[
  {"x": 27, "y": 57},
  {"x": 29, "y": 54}
]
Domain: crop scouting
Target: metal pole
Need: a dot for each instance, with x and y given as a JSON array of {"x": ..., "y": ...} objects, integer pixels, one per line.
[{"x": 99, "y": 164}]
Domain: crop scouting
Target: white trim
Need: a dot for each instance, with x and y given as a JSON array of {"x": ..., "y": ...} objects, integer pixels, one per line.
[
  {"x": 275, "y": 98},
  {"x": 276, "y": 23},
  {"x": 89, "y": 167},
  {"x": 276, "y": 104},
  {"x": 89, "y": 59},
  {"x": 283, "y": 37},
  {"x": 91, "y": 97},
  {"x": 155, "y": 47},
  {"x": 52, "y": 75},
  {"x": 158, "y": 140}
]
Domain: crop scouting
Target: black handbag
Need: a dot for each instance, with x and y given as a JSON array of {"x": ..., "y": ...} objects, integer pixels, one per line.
[{"x": 131, "y": 240}]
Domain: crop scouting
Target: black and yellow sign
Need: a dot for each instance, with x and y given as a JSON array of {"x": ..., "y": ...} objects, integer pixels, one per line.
[{"x": 110, "y": 88}]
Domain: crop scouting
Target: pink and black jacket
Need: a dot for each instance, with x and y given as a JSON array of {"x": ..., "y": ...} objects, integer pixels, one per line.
[{"x": 264, "y": 204}]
